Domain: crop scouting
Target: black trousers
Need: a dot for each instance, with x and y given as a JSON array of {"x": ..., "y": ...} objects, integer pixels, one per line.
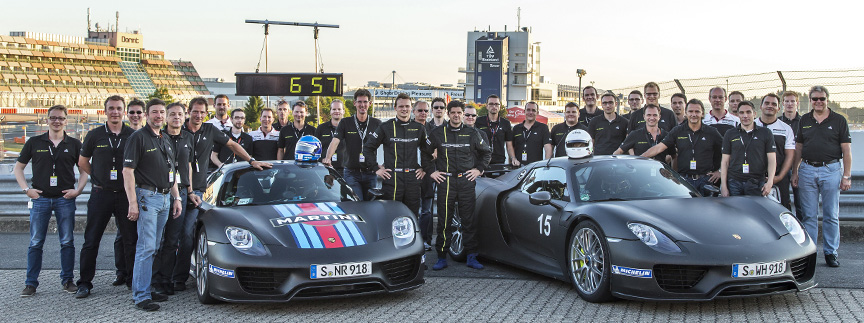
[
  {"x": 100, "y": 208},
  {"x": 456, "y": 189},
  {"x": 119, "y": 258},
  {"x": 783, "y": 187},
  {"x": 403, "y": 187}
]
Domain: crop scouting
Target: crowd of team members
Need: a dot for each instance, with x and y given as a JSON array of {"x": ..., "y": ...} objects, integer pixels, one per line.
[{"x": 740, "y": 151}]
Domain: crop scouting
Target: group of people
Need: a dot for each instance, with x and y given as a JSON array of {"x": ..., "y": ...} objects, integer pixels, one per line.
[{"x": 745, "y": 150}]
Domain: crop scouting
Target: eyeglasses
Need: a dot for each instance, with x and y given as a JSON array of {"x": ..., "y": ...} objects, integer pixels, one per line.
[
  {"x": 422, "y": 110},
  {"x": 57, "y": 118},
  {"x": 136, "y": 112},
  {"x": 438, "y": 107},
  {"x": 819, "y": 99},
  {"x": 469, "y": 115}
]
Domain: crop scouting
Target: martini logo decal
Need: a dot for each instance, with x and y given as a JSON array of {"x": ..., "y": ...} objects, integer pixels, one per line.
[{"x": 320, "y": 225}]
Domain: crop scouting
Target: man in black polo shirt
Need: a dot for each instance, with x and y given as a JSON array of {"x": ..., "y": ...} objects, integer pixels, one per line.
[
  {"x": 149, "y": 178},
  {"x": 823, "y": 139},
  {"x": 640, "y": 140},
  {"x": 496, "y": 127},
  {"x": 652, "y": 96},
  {"x": 791, "y": 117},
  {"x": 265, "y": 140},
  {"x": 634, "y": 102},
  {"x": 678, "y": 104},
  {"x": 589, "y": 95},
  {"x": 282, "y": 116},
  {"x": 224, "y": 155},
  {"x": 531, "y": 139},
  {"x": 609, "y": 130},
  {"x": 290, "y": 134},
  {"x": 54, "y": 155},
  {"x": 354, "y": 130},
  {"x": 698, "y": 148},
  {"x": 560, "y": 131},
  {"x": 181, "y": 143},
  {"x": 749, "y": 155},
  {"x": 326, "y": 130},
  {"x": 102, "y": 158},
  {"x": 204, "y": 137}
]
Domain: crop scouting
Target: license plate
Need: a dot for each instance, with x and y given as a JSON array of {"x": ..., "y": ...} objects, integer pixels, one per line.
[
  {"x": 764, "y": 269},
  {"x": 340, "y": 270}
]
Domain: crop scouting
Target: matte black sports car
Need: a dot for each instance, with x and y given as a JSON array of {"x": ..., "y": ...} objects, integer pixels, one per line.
[
  {"x": 298, "y": 231},
  {"x": 629, "y": 227}
]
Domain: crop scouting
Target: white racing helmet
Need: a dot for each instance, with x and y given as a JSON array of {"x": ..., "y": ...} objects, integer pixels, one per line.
[{"x": 578, "y": 144}]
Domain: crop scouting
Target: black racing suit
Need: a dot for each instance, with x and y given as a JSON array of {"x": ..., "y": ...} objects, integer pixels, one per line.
[
  {"x": 401, "y": 142},
  {"x": 459, "y": 150}
]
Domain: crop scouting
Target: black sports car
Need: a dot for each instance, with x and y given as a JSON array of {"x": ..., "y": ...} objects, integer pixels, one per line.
[
  {"x": 298, "y": 231},
  {"x": 629, "y": 227}
]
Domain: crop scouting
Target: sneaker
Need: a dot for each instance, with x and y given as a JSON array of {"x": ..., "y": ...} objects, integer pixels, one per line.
[
  {"x": 441, "y": 264},
  {"x": 178, "y": 286},
  {"x": 832, "y": 261},
  {"x": 156, "y": 297},
  {"x": 426, "y": 246},
  {"x": 83, "y": 292},
  {"x": 70, "y": 287},
  {"x": 120, "y": 280},
  {"x": 147, "y": 306},
  {"x": 28, "y": 291},
  {"x": 472, "y": 261}
]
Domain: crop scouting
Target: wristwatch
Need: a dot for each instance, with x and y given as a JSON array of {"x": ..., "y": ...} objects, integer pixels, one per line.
[
  {"x": 25, "y": 190},
  {"x": 251, "y": 160},
  {"x": 847, "y": 177}
]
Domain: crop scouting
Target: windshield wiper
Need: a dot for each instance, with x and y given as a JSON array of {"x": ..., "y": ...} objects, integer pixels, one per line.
[{"x": 610, "y": 199}]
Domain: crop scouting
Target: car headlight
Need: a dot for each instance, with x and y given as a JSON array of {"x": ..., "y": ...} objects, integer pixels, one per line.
[
  {"x": 403, "y": 231},
  {"x": 794, "y": 227},
  {"x": 244, "y": 241},
  {"x": 653, "y": 238}
]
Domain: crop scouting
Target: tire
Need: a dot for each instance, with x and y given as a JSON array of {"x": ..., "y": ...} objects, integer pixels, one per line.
[
  {"x": 202, "y": 275},
  {"x": 457, "y": 245},
  {"x": 589, "y": 264}
]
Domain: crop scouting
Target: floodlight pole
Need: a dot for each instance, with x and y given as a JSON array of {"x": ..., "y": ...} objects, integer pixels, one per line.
[{"x": 315, "y": 30}]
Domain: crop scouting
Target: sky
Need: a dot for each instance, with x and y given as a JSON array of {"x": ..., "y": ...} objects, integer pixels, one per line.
[{"x": 619, "y": 43}]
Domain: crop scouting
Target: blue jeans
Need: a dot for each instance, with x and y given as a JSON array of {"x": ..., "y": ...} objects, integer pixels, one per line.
[
  {"x": 749, "y": 187},
  {"x": 699, "y": 183},
  {"x": 821, "y": 181},
  {"x": 184, "y": 254},
  {"x": 40, "y": 213},
  {"x": 360, "y": 182},
  {"x": 153, "y": 211}
]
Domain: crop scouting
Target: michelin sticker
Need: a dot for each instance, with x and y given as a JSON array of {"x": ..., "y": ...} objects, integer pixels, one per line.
[
  {"x": 227, "y": 273},
  {"x": 632, "y": 272}
]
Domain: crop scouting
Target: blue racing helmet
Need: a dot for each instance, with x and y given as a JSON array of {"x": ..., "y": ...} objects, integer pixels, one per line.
[{"x": 308, "y": 149}]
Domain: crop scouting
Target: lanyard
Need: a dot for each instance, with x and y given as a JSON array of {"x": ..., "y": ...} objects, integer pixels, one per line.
[
  {"x": 161, "y": 146},
  {"x": 746, "y": 145},
  {"x": 113, "y": 148},
  {"x": 53, "y": 158},
  {"x": 527, "y": 134},
  {"x": 362, "y": 134},
  {"x": 297, "y": 133},
  {"x": 693, "y": 144}
]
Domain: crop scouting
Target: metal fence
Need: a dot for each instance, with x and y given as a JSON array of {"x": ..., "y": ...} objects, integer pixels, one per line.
[{"x": 846, "y": 88}]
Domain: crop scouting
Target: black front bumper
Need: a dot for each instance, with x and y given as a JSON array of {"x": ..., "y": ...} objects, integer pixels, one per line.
[{"x": 285, "y": 274}]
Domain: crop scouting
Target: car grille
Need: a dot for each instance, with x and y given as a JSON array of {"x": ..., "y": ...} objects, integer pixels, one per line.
[
  {"x": 678, "y": 278},
  {"x": 758, "y": 289},
  {"x": 339, "y": 290},
  {"x": 803, "y": 268},
  {"x": 262, "y": 280},
  {"x": 401, "y": 270}
]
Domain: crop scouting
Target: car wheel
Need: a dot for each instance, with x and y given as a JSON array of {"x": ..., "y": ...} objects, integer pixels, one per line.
[
  {"x": 202, "y": 275},
  {"x": 457, "y": 246},
  {"x": 588, "y": 261}
]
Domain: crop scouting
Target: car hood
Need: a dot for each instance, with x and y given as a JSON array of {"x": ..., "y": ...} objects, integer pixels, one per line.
[
  {"x": 719, "y": 221},
  {"x": 315, "y": 225}
]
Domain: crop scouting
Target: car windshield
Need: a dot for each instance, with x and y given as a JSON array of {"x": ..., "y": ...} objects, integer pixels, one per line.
[
  {"x": 285, "y": 183},
  {"x": 625, "y": 180}
]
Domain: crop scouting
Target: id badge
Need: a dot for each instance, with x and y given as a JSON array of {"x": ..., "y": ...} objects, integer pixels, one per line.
[
  {"x": 197, "y": 169},
  {"x": 693, "y": 164},
  {"x": 333, "y": 158},
  {"x": 745, "y": 168},
  {"x": 53, "y": 181},
  {"x": 177, "y": 178},
  {"x": 524, "y": 156},
  {"x": 171, "y": 177},
  {"x": 362, "y": 159},
  {"x": 113, "y": 174}
]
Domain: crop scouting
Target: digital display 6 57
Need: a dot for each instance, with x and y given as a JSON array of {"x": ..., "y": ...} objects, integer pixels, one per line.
[{"x": 289, "y": 84}]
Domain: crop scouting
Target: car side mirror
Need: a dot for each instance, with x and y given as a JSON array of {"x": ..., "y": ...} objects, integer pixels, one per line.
[
  {"x": 376, "y": 193},
  {"x": 540, "y": 198}
]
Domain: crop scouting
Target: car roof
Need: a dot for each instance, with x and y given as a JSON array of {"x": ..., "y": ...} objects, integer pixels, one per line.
[
  {"x": 566, "y": 161},
  {"x": 276, "y": 163}
]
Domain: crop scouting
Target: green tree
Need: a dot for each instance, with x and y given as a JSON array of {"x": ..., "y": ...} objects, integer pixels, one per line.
[
  {"x": 161, "y": 94},
  {"x": 253, "y": 111}
]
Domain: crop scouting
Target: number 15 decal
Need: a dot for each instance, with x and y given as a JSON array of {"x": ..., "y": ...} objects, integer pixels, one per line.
[{"x": 545, "y": 225}]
